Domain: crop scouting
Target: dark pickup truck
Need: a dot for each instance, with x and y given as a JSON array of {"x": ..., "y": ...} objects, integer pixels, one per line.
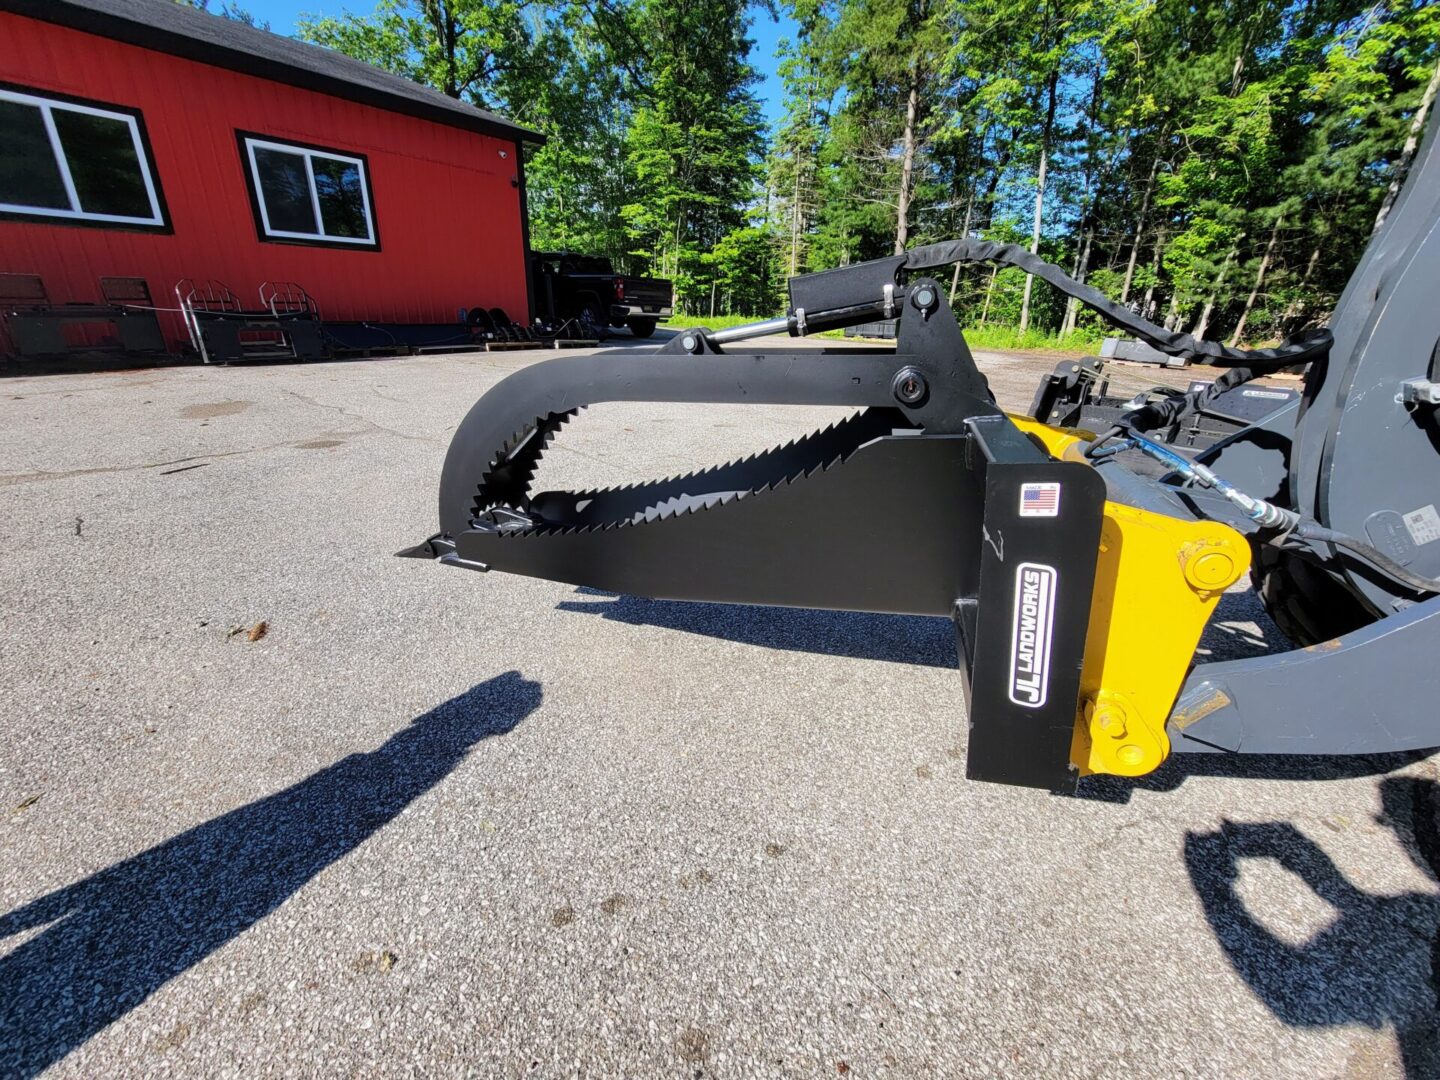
[{"x": 587, "y": 288}]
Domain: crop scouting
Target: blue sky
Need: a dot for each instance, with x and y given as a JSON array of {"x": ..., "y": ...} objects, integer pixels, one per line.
[{"x": 766, "y": 32}]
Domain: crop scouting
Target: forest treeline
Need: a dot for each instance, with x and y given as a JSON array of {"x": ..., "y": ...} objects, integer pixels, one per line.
[{"x": 1215, "y": 166}]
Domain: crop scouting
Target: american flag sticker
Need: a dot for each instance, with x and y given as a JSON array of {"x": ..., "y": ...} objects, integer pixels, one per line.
[{"x": 1039, "y": 500}]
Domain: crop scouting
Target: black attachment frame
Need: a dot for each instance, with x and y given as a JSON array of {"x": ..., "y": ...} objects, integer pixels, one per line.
[{"x": 913, "y": 505}]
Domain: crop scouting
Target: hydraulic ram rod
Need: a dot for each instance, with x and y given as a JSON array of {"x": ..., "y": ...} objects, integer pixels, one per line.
[{"x": 782, "y": 325}]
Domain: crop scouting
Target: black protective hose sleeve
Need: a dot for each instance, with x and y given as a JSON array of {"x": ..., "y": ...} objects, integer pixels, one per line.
[
  {"x": 1301, "y": 349},
  {"x": 1161, "y": 414},
  {"x": 1313, "y": 530}
]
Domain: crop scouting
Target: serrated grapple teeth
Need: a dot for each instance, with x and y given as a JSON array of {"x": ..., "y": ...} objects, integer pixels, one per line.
[
  {"x": 662, "y": 499},
  {"x": 513, "y": 465}
]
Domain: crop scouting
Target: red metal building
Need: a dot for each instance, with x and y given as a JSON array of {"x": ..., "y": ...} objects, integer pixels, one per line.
[{"x": 143, "y": 139}]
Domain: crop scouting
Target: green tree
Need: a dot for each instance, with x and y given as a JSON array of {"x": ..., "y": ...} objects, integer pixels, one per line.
[
  {"x": 741, "y": 269},
  {"x": 1217, "y": 166},
  {"x": 228, "y": 10},
  {"x": 577, "y": 182},
  {"x": 461, "y": 47},
  {"x": 890, "y": 55},
  {"x": 695, "y": 139},
  {"x": 793, "y": 168}
]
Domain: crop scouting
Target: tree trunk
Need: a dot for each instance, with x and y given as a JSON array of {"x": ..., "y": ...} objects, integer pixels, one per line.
[
  {"x": 1203, "y": 322},
  {"x": 1147, "y": 306},
  {"x": 989, "y": 291},
  {"x": 442, "y": 18},
  {"x": 1297, "y": 304},
  {"x": 1002, "y": 162},
  {"x": 907, "y": 162},
  {"x": 1072, "y": 306},
  {"x": 964, "y": 233},
  {"x": 1238, "y": 71},
  {"x": 1093, "y": 198},
  {"x": 1050, "y": 88},
  {"x": 974, "y": 181},
  {"x": 1172, "y": 315},
  {"x": 1139, "y": 229},
  {"x": 800, "y": 196},
  {"x": 1265, "y": 261},
  {"x": 1412, "y": 143},
  {"x": 796, "y": 223}
]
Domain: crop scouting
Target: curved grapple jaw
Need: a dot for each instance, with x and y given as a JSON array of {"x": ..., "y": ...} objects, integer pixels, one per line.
[{"x": 927, "y": 500}]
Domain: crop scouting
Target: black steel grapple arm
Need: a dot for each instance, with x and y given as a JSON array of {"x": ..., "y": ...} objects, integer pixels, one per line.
[{"x": 919, "y": 503}]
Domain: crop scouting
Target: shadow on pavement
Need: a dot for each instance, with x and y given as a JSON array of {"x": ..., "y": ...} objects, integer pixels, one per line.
[
  {"x": 1240, "y": 628},
  {"x": 113, "y": 939},
  {"x": 1377, "y": 963},
  {"x": 89, "y": 363},
  {"x": 905, "y": 639},
  {"x": 1178, "y": 768},
  {"x": 902, "y": 639}
]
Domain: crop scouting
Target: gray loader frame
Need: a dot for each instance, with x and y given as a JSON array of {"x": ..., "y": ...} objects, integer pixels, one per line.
[{"x": 1361, "y": 454}]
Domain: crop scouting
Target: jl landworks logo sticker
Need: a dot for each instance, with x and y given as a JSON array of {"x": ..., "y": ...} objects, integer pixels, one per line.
[{"x": 1030, "y": 637}]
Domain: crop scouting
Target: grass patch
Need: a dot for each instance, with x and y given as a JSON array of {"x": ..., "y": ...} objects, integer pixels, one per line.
[
  {"x": 711, "y": 322},
  {"x": 1009, "y": 339}
]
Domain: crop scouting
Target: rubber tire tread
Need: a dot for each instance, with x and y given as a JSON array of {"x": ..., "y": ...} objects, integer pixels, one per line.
[{"x": 1308, "y": 605}]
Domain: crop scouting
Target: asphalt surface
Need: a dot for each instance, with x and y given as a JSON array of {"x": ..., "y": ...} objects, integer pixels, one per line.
[{"x": 438, "y": 823}]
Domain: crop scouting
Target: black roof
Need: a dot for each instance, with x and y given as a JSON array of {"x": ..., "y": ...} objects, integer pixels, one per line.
[{"x": 166, "y": 26}]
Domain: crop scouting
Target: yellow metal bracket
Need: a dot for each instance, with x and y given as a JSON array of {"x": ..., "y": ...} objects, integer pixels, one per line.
[{"x": 1157, "y": 581}]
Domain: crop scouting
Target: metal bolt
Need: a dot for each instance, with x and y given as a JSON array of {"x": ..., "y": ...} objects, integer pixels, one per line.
[
  {"x": 910, "y": 386},
  {"x": 925, "y": 298},
  {"x": 1210, "y": 566},
  {"x": 1131, "y": 755},
  {"x": 1109, "y": 720},
  {"x": 689, "y": 341}
]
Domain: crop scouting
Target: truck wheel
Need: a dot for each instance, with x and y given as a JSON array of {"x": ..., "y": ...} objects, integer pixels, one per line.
[
  {"x": 593, "y": 319},
  {"x": 641, "y": 327},
  {"x": 1306, "y": 603}
]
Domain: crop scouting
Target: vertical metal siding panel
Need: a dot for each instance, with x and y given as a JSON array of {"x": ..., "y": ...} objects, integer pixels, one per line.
[{"x": 445, "y": 209}]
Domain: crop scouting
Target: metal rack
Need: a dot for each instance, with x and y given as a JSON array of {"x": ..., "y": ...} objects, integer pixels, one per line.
[
  {"x": 282, "y": 298},
  {"x": 124, "y": 320},
  {"x": 222, "y": 331}
]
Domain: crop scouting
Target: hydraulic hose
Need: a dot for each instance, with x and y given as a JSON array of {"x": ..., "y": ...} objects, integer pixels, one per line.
[
  {"x": 1243, "y": 364},
  {"x": 1269, "y": 516},
  {"x": 1303, "y": 348},
  {"x": 1309, "y": 529}
]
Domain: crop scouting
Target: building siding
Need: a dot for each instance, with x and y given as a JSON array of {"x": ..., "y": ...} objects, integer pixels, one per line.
[{"x": 447, "y": 206}]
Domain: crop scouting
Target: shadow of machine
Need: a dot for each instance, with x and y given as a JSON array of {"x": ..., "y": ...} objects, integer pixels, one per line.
[
  {"x": 1378, "y": 961},
  {"x": 110, "y": 941}
]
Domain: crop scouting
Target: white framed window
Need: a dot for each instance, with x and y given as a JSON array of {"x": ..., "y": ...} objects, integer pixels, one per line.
[
  {"x": 75, "y": 161},
  {"x": 307, "y": 194}
]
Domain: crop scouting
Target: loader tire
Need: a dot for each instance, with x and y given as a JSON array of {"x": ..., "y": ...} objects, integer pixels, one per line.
[{"x": 1306, "y": 603}]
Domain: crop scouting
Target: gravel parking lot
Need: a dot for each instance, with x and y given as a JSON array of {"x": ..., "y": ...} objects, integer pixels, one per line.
[{"x": 436, "y": 823}]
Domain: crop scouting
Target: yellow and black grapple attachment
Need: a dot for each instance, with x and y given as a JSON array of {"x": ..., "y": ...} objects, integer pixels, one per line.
[{"x": 1078, "y": 589}]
